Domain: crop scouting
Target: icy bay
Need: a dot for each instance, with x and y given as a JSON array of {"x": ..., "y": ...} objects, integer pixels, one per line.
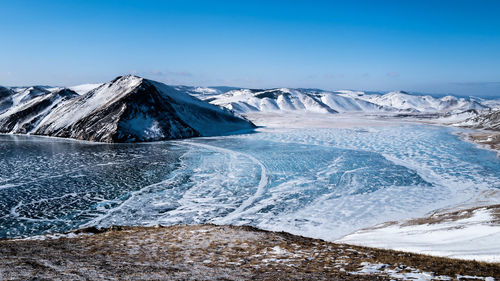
[{"x": 317, "y": 182}]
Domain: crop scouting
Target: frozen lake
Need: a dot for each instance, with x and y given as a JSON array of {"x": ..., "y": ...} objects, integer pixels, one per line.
[{"x": 318, "y": 182}]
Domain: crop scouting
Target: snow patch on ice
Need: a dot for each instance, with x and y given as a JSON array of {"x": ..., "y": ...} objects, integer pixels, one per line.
[{"x": 475, "y": 237}]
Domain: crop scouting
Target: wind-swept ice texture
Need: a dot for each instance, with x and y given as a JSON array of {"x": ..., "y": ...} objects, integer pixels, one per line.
[
  {"x": 322, "y": 183},
  {"x": 245, "y": 101},
  {"x": 127, "y": 109}
]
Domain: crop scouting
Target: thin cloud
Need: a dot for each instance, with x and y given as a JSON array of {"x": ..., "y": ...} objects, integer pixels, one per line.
[{"x": 393, "y": 74}]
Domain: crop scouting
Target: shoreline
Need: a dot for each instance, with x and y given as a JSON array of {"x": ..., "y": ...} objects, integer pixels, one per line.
[
  {"x": 489, "y": 140},
  {"x": 484, "y": 139}
]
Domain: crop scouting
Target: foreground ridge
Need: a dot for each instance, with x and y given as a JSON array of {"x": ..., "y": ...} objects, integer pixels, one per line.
[{"x": 209, "y": 252}]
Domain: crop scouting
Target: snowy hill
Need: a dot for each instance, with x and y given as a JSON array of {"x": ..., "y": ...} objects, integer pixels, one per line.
[
  {"x": 127, "y": 109},
  {"x": 289, "y": 100},
  {"x": 488, "y": 121},
  {"x": 30, "y": 108},
  {"x": 491, "y": 103},
  {"x": 244, "y": 101},
  {"x": 17, "y": 95},
  {"x": 403, "y": 101}
]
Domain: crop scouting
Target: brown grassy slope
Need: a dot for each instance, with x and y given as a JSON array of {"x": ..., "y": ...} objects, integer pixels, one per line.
[{"x": 207, "y": 252}]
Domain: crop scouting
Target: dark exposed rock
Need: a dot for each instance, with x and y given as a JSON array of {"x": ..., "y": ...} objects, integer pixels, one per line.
[{"x": 488, "y": 121}]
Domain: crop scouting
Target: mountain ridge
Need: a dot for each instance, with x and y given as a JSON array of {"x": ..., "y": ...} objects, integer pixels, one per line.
[{"x": 128, "y": 109}]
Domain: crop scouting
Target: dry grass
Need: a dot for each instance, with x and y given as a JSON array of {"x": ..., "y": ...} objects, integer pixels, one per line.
[
  {"x": 207, "y": 252},
  {"x": 488, "y": 139}
]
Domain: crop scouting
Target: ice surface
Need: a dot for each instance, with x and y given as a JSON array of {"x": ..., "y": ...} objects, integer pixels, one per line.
[{"x": 322, "y": 182}]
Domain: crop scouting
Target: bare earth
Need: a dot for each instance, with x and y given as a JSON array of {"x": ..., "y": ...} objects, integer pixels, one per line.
[
  {"x": 209, "y": 252},
  {"x": 488, "y": 139}
]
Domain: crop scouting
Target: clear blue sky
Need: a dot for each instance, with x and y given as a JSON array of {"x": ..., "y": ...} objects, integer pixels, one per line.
[{"x": 428, "y": 46}]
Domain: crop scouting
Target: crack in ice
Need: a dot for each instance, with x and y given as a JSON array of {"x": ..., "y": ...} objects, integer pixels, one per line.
[{"x": 259, "y": 189}]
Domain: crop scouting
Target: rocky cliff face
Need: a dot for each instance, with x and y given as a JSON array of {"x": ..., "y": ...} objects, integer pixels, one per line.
[
  {"x": 127, "y": 109},
  {"x": 488, "y": 121}
]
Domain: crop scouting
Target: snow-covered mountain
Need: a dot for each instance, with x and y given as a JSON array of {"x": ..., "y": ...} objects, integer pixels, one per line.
[
  {"x": 127, "y": 109},
  {"x": 27, "y": 111},
  {"x": 284, "y": 99},
  {"x": 131, "y": 108},
  {"x": 488, "y": 121},
  {"x": 491, "y": 103},
  {"x": 403, "y": 101},
  {"x": 246, "y": 101}
]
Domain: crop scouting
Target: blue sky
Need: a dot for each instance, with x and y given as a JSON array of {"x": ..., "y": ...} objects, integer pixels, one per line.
[{"x": 426, "y": 46}]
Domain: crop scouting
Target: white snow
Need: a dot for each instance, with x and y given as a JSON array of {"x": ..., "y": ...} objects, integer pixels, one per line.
[
  {"x": 143, "y": 125},
  {"x": 85, "y": 88},
  {"x": 452, "y": 119},
  {"x": 290, "y": 100},
  {"x": 77, "y": 108},
  {"x": 417, "y": 103},
  {"x": 205, "y": 90},
  {"x": 246, "y": 101},
  {"x": 194, "y": 112},
  {"x": 204, "y": 118},
  {"x": 26, "y": 94},
  {"x": 474, "y": 237},
  {"x": 409, "y": 273},
  {"x": 403, "y": 272}
]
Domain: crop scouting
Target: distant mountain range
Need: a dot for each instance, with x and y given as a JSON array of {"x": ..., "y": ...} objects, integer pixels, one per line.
[
  {"x": 134, "y": 109},
  {"x": 459, "y": 111},
  {"x": 303, "y": 100},
  {"x": 487, "y": 121}
]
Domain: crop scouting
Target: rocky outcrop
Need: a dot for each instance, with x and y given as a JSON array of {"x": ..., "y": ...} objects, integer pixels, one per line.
[{"x": 488, "y": 121}]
